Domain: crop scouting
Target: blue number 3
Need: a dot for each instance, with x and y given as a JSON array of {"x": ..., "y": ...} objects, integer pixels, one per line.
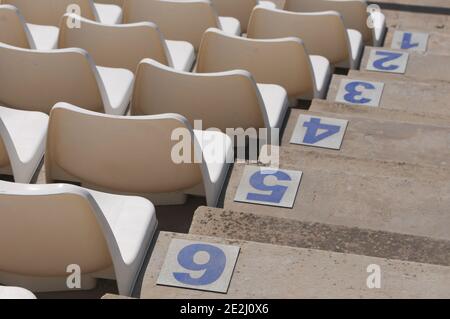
[
  {"x": 388, "y": 56},
  {"x": 213, "y": 268},
  {"x": 277, "y": 191},
  {"x": 353, "y": 93}
]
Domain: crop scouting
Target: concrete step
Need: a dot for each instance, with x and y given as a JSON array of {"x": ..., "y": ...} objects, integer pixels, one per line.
[
  {"x": 252, "y": 226},
  {"x": 415, "y": 4},
  {"x": 270, "y": 271},
  {"x": 426, "y": 102},
  {"x": 420, "y": 67},
  {"x": 370, "y": 135},
  {"x": 438, "y": 42},
  {"x": 425, "y": 20}
]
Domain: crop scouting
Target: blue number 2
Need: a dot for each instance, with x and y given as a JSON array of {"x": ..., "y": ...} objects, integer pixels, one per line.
[
  {"x": 213, "y": 268},
  {"x": 388, "y": 56},
  {"x": 277, "y": 191},
  {"x": 353, "y": 93}
]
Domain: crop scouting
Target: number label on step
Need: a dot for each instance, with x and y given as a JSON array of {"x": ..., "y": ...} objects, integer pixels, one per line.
[
  {"x": 198, "y": 265},
  {"x": 319, "y": 131},
  {"x": 268, "y": 186},
  {"x": 357, "y": 92},
  {"x": 387, "y": 61},
  {"x": 413, "y": 41}
]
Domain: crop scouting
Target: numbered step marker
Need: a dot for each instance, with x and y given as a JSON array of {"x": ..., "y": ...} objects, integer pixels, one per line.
[
  {"x": 268, "y": 186},
  {"x": 413, "y": 41},
  {"x": 387, "y": 61},
  {"x": 319, "y": 131},
  {"x": 198, "y": 265},
  {"x": 357, "y": 92}
]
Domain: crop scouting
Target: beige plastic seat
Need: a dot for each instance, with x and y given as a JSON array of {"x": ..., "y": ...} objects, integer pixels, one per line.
[
  {"x": 36, "y": 80},
  {"x": 281, "y": 61},
  {"x": 48, "y": 231},
  {"x": 15, "y": 293},
  {"x": 354, "y": 12},
  {"x": 13, "y": 29},
  {"x": 323, "y": 33},
  {"x": 135, "y": 155},
  {"x": 180, "y": 20},
  {"x": 22, "y": 142},
  {"x": 239, "y": 9},
  {"x": 125, "y": 45},
  {"x": 220, "y": 100},
  {"x": 43, "y": 17}
]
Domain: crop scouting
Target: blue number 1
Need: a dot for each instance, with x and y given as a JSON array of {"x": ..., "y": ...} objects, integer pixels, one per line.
[
  {"x": 213, "y": 268},
  {"x": 352, "y": 92},
  {"x": 277, "y": 191},
  {"x": 406, "y": 41},
  {"x": 388, "y": 56}
]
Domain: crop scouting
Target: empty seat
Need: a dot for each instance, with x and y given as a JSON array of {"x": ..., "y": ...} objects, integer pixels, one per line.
[
  {"x": 22, "y": 142},
  {"x": 125, "y": 45},
  {"x": 354, "y": 12},
  {"x": 281, "y": 61},
  {"x": 15, "y": 293},
  {"x": 220, "y": 100},
  {"x": 47, "y": 231},
  {"x": 36, "y": 80},
  {"x": 13, "y": 29},
  {"x": 43, "y": 16},
  {"x": 323, "y": 33},
  {"x": 179, "y": 20},
  {"x": 239, "y": 9},
  {"x": 135, "y": 155}
]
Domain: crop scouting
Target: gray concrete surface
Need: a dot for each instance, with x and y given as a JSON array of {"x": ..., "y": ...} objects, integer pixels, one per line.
[
  {"x": 372, "y": 135},
  {"x": 248, "y": 226},
  {"x": 269, "y": 271},
  {"x": 403, "y": 19}
]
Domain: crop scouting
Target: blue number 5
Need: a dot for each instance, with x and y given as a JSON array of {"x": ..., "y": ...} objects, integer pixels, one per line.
[
  {"x": 277, "y": 191},
  {"x": 213, "y": 268},
  {"x": 351, "y": 88},
  {"x": 388, "y": 56}
]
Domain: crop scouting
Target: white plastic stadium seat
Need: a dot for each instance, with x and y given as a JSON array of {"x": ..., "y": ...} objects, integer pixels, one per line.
[
  {"x": 15, "y": 293},
  {"x": 282, "y": 61},
  {"x": 36, "y": 80},
  {"x": 22, "y": 142},
  {"x": 135, "y": 155},
  {"x": 323, "y": 33},
  {"x": 57, "y": 226},
  {"x": 125, "y": 45}
]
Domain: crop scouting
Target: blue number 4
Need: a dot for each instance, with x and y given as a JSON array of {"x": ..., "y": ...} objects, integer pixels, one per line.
[
  {"x": 388, "y": 56},
  {"x": 353, "y": 93},
  {"x": 312, "y": 135},
  {"x": 277, "y": 191},
  {"x": 213, "y": 269}
]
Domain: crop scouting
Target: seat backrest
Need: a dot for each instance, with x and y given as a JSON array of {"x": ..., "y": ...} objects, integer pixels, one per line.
[
  {"x": 239, "y": 9},
  {"x": 36, "y": 80},
  {"x": 221, "y": 100},
  {"x": 354, "y": 12},
  {"x": 117, "y": 46},
  {"x": 13, "y": 30},
  {"x": 4, "y": 158},
  {"x": 281, "y": 61},
  {"x": 50, "y": 12},
  {"x": 323, "y": 33},
  {"x": 177, "y": 20},
  {"x": 118, "y": 154},
  {"x": 45, "y": 228}
]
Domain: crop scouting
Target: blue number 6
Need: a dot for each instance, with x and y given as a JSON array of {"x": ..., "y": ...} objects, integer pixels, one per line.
[
  {"x": 388, "y": 56},
  {"x": 351, "y": 88},
  {"x": 213, "y": 268},
  {"x": 277, "y": 191}
]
